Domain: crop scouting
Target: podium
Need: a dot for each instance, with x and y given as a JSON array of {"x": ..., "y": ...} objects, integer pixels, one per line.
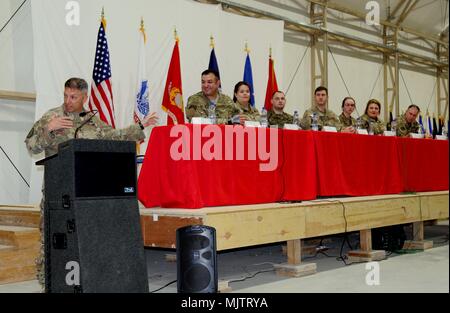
[{"x": 92, "y": 232}]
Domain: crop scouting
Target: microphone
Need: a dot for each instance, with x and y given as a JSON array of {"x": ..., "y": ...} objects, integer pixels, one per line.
[{"x": 82, "y": 114}]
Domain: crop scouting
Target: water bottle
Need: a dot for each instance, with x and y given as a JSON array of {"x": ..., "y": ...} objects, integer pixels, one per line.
[
  {"x": 358, "y": 123},
  {"x": 394, "y": 126},
  {"x": 370, "y": 130},
  {"x": 295, "y": 119},
  {"x": 420, "y": 131},
  {"x": 263, "y": 118},
  {"x": 314, "y": 123},
  {"x": 212, "y": 113}
]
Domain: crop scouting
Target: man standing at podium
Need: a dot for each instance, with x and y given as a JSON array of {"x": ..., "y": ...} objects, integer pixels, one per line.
[
  {"x": 67, "y": 121},
  {"x": 70, "y": 121}
]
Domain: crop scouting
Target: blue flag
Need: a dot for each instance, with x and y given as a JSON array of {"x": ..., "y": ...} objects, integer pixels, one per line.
[
  {"x": 213, "y": 65},
  {"x": 430, "y": 127},
  {"x": 421, "y": 124},
  {"x": 248, "y": 78}
]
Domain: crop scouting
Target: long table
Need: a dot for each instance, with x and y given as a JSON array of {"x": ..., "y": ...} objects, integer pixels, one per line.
[{"x": 309, "y": 165}]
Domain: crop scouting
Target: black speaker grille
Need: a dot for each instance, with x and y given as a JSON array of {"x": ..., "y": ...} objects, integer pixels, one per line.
[
  {"x": 197, "y": 277},
  {"x": 196, "y": 242}
]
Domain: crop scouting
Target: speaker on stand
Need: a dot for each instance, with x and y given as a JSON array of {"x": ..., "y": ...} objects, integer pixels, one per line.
[{"x": 196, "y": 259}]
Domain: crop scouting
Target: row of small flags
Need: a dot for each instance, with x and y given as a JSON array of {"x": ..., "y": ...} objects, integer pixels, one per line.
[
  {"x": 101, "y": 96},
  {"x": 431, "y": 128}
]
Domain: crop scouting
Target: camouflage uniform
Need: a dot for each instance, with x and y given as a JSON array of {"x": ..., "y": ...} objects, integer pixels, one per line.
[
  {"x": 327, "y": 118},
  {"x": 250, "y": 113},
  {"x": 404, "y": 128},
  {"x": 347, "y": 121},
  {"x": 198, "y": 104},
  {"x": 378, "y": 126},
  {"x": 279, "y": 119},
  {"x": 39, "y": 140}
]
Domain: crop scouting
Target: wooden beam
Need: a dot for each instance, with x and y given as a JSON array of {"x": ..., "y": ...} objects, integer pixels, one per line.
[
  {"x": 251, "y": 225},
  {"x": 17, "y": 96},
  {"x": 294, "y": 252},
  {"x": 365, "y": 239},
  {"x": 418, "y": 231}
]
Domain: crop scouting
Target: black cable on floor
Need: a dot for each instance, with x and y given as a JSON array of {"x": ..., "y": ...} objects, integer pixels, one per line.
[
  {"x": 250, "y": 276},
  {"x": 165, "y": 286}
]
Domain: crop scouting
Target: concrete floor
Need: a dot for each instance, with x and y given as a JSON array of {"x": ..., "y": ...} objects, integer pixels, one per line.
[{"x": 251, "y": 269}]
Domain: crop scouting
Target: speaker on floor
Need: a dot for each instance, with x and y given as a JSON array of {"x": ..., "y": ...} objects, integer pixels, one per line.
[
  {"x": 390, "y": 238},
  {"x": 196, "y": 259}
]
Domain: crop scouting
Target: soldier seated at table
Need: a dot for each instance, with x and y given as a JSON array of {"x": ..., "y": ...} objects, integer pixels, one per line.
[
  {"x": 407, "y": 123},
  {"x": 276, "y": 115},
  {"x": 370, "y": 120},
  {"x": 348, "y": 122},
  {"x": 324, "y": 116},
  {"x": 199, "y": 103},
  {"x": 241, "y": 98}
]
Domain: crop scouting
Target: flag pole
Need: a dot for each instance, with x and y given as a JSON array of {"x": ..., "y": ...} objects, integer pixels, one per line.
[
  {"x": 175, "y": 33},
  {"x": 103, "y": 20},
  {"x": 142, "y": 30},
  {"x": 211, "y": 44},
  {"x": 246, "y": 49}
]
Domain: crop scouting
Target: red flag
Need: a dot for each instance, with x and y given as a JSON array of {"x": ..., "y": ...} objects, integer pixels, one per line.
[
  {"x": 272, "y": 85},
  {"x": 172, "y": 101}
]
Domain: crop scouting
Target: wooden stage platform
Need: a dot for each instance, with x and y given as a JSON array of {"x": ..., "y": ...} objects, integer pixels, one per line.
[{"x": 250, "y": 225}]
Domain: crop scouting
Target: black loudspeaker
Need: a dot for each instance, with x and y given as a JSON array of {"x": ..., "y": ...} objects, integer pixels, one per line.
[
  {"x": 196, "y": 259},
  {"x": 92, "y": 232},
  {"x": 390, "y": 238}
]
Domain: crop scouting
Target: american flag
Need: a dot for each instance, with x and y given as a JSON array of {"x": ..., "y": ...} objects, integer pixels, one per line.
[{"x": 101, "y": 92}]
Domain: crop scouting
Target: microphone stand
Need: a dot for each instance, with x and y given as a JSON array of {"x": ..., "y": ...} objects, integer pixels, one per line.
[{"x": 85, "y": 122}]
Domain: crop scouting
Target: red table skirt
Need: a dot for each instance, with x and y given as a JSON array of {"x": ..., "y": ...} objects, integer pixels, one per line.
[
  {"x": 198, "y": 182},
  {"x": 357, "y": 165},
  {"x": 301, "y": 165},
  {"x": 423, "y": 164}
]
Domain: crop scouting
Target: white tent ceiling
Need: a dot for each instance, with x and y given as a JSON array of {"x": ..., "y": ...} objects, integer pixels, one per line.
[{"x": 426, "y": 16}]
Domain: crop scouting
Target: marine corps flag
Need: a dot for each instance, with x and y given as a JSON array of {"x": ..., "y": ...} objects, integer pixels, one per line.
[
  {"x": 172, "y": 101},
  {"x": 272, "y": 85}
]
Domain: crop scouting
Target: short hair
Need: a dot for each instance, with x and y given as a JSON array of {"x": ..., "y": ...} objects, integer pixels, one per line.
[
  {"x": 415, "y": 107},
  {"x": 278, "y": 91},
  {"x": 77, "y": 83},
  {"x": 236, "y": 88},
  {"x": 209, "y": 71},
  {"x": 345, "y": 99},
  {"x": 373, "y": 101},
  {"x": 320, "y": 88}
]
